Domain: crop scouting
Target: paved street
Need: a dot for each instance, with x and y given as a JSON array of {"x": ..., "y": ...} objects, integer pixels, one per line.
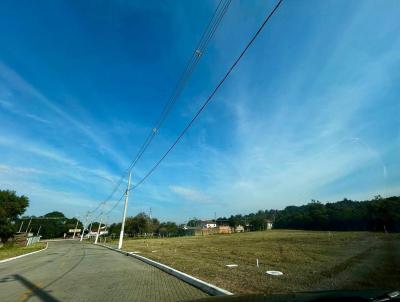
[{"x": 72, "y": 271}]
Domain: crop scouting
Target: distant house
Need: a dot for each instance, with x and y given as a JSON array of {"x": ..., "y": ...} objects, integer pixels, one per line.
[
  {"x": 198, "y": 231},
  {"x": 93, "y": 233},
  {"x": 76, "y": 231},
  {"x": 224, "y": 229},
  {"x": 239, "y": 229},
  {"x": 208, "y": 224}
]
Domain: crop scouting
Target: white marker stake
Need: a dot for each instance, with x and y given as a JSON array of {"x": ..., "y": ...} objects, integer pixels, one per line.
[{"x": 257, "y": 263}]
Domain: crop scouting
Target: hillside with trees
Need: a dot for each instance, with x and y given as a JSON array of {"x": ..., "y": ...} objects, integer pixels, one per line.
[
  {"x": 50, "y": 225},
  {"x": 378, "y": 214}
]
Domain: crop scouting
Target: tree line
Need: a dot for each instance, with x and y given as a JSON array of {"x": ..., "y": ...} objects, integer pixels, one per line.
[
  {"x": 377, "y": 214},
  {"x": 143, "y": 224},
  {"x": 50, "y": 225}
]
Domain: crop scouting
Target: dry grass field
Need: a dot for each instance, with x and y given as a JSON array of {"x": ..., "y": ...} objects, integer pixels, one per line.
[
  {"x": 12, "y": 251},
  {"x": 309, "y": 260}
]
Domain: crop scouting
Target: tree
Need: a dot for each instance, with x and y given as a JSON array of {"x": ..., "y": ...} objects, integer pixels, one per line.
[
  {"x": 53, "y": 224},
  {"x": 140, "y": 224},
  {"x": 168, "y": 229},
  {"x": 115, "y": 229},
  {"x": 378, "y": 214},
  {"x": 194, "y": 222},
  {"x": 11, "y": 206}
]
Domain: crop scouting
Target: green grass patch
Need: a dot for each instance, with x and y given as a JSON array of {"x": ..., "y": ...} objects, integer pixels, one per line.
[
  {"x": 9, "y": 251},
  {"x": 309, "y": 260}
]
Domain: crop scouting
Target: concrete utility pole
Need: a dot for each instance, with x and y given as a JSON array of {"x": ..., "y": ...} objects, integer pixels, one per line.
[
  {"x": 73, "y": 237},
  {"x": 86, "y": 220},
  {"x": 20, "y": 227},
  {"x": 121, "y": 235},
  {"x": 98, "y": 230},
  {"x": 29, "y": 224}
]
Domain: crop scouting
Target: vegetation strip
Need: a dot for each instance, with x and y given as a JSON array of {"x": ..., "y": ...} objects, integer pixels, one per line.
[
  {"x": 23, "y": 255},
  {"x": 204, "y": 286}
]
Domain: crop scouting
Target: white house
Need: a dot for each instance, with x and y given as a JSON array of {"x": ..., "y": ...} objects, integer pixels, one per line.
[{"x": 208, "y": 224}]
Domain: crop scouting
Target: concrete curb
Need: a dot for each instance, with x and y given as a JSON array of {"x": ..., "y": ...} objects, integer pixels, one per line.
[
  {"x": 200, "y": 284},
  {"x": 56, "y": 240},
  {"x": 23, "y": 255}
]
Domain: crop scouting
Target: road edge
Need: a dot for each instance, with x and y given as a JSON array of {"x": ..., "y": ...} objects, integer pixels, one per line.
[
  {"x": 24, "y": 255},
  {"x": 200, "y": 284}
]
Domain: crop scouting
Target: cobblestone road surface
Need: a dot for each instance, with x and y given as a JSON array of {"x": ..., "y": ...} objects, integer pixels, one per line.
[{"x": 74, "y": 271}]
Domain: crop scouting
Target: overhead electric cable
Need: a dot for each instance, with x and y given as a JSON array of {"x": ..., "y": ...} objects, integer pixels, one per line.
[
  {"x": 116, "y": 204},
  {"x": 207, "y": 35},
  {"x": 210, "y": 96}
]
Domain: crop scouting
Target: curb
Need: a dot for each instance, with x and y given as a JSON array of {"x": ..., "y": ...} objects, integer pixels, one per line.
[
  {"x": 200, "y": 284},
  {"x": 23, "y": 255},
  {"x": 56, "y": 240}
]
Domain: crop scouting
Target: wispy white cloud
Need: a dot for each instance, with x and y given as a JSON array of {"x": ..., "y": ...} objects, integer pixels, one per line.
[
  {"x": 300, "y": 118},
  {"x": 190, "y": 194},
  {"x": 13, "y": 81},
  {"x": 34, "y": 148},
  {"x": 11, "y": 108},
  {"x": 55, "y": 163},
  {"x": 291, "y": 144},
  {"x": 44, "y": 199},
  {"x": 20, "y": 170}
]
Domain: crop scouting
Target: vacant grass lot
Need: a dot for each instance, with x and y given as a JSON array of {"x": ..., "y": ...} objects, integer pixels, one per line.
[
  {"x": 309, "y": 260},
  {"x": 12, "y": 251}
]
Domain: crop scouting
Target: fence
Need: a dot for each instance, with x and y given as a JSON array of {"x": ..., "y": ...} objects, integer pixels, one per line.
[{"x": 32, "y": 240}]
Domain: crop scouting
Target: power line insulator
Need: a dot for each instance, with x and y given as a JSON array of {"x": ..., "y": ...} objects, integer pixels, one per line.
[
  {"x": 198, "y": 53},
  {"x": 154, "y": 130}
]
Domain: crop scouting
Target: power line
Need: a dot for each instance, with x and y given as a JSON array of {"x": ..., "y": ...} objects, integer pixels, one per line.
[
  {"x": 116, "y": 204},
  {"x": 210, "y": 96},
  {"x": 207, "y": 35}
]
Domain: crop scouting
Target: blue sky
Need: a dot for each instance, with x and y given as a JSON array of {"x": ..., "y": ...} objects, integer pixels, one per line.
[{"x": 311, "y": 112}]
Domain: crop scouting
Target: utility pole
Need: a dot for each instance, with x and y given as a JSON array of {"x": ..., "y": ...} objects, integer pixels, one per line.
[
  {"x": 98, "y": 230},
  {"x": 121, "y": 235},
  {"x": 101, "y": 219},
  {"x": 29, "y": 224},
  {"x": 86, "y": 220},
  {"x": 38, "y": 230},
  {"x": 20, "y": 227},
  {"x": 73, "y": 237}
]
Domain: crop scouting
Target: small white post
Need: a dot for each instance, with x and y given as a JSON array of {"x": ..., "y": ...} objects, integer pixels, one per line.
[
  {"x": 121, "y": 235},
  {"x": 257, "y": 263}
]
